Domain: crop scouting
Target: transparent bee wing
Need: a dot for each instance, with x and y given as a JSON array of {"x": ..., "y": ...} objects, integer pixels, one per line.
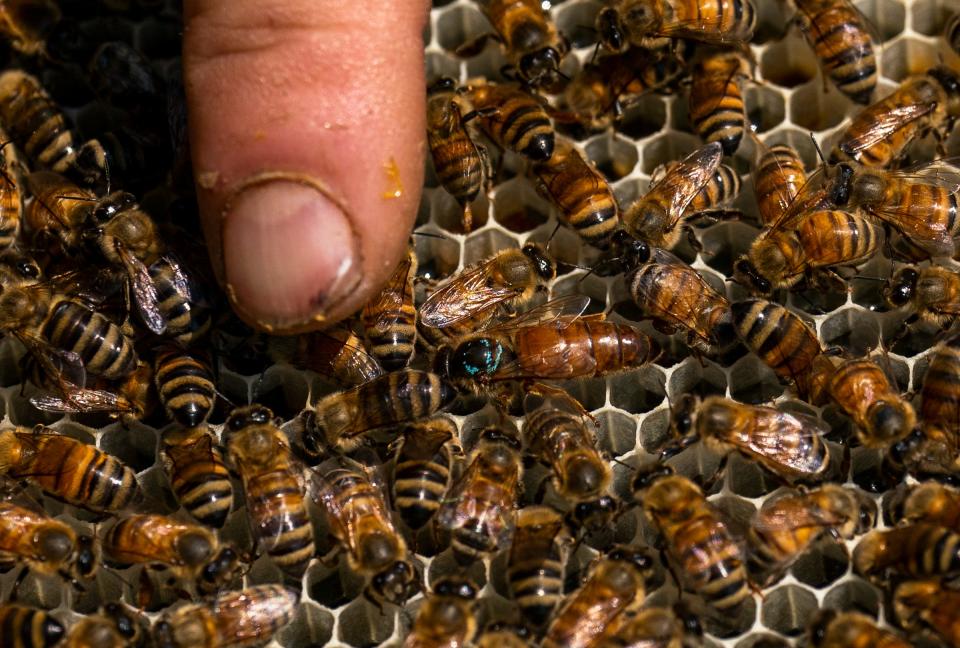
[
  {"x": 144, "y": 291},
  {"x": 464, "y": 296}
]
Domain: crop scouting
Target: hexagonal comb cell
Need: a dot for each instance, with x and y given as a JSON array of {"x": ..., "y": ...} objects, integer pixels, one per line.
[
  {"x": 460, "y": 25},
  {"x": 907, "y": 57},
  {"x": 788, "y": 609},
  {"x": 613, "y": 156}
]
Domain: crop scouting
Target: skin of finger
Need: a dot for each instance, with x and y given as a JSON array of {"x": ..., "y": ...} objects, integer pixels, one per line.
[{"x": 331, "y": 89}]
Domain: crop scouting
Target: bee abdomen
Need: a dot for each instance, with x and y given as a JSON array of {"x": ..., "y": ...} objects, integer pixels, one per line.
[
  {"x": 25, "y": 627},
  {"x": 419, "y": 489},
  {"x": 102, "y": 346},
  {"x": 724, "y": 122},
  {"x": 186, "y": 322},
  {"x": 205, "y": 490},
  {"x": 537, "y": 586},
  {"x": 527, "y": 129},
  {"x": 470, "y": 542},
  {"x": 847, "y": 53},
  {"x": 459, "y": 168},
  {"x": 186, "y": 388},
  {"x": 284, "y": 527},
  {"x": 395, "y": 347}
]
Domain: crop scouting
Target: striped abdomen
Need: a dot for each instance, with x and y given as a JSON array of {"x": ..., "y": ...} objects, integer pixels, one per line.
[
  {"x": 402, "y": 396},
  {"x": 11, "y": 205},
  {"x": 840, "y": 40},
  {"x": 278, "y": 511},
  {"x": 940, "y": 396},
  {"x": 773, "y": 546},
  {"x": 186, "y": 321},
  {"x": 390, "y": 318},
  {"x": 456, "y": 158},
  {"x": 200, "y": 479},
  {"x": 185, "y": 385},
  {"x": 100, "y": 343},
  {"x": 35, "y": 123},
  {"x": 831, "y": 237},
  {"x": 721, "y": 190},
  {"x": 733, "y": 20},
  {"x": 518, "y": 122},
  {"x": 921, "y": 210},
  {"x": 421, "y": 476},
  {"x": 362, "y": 522},
  {"x": 777, "y": 181},
  {"x": 915, "y": 550},
  {"x": 716, "y": 101},
  {"x": 710, "y": 559},
  {"x": 26, "y": 627},
  {"x": 75, "y": 472},
  {"x": 535, "y": 567}
]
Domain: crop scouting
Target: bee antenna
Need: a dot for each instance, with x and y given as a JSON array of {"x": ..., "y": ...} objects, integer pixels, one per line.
[
  {"x": 550, "y": 239},
  {"x": 225, "y": 398},
  {"x": 816, "y": 145},
  {"x": 432, "y": 235},
  {"x": 866, "y": 278},
  {"x": 596, "y": 50},
  {"x": 624, "y": 464}
]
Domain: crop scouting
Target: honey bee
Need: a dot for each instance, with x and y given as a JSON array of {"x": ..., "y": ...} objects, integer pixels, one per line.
[
  {"x": 677, "y": 298},
  {"x": 557, "y": 434},
  {"x": 790, "y": 446},
  {"x": 939, "y": 406},
  {"x": 951, "y": 32},
  {"x": 39, "y": 129},
  {"x": 274, "y": 487},
  {"x": 659, "y": 627},
  {"x": 480, "y": 511},
  {"x": 67, "y": 469},
  {"x": 248, "y": 617},
  {"x": 551, "y": 342},
  {"x": 784, "y": 528},
  {"x": 778, "y": 177},
  {"x": 837, "y": 34},
  {"x": 424, "y": 459},
  {"x": 928, "y": 605},
  {"x": 832, "y": 629},
  {"x": 461, "y": 162},
  {"x": 25, "y": 24},
  {"x": 879, "y": 134},
  {"x": 185, "y": 385},
  {"x": 191, "y": 552},
  {"x": 933, "y": 503},
  {"x": 933, "y": 294},
  {"x": 582, "y": 196},
  {"x": 697, "y": 540},
  {"x": 336, "y": 353},
  {"x": 782, "y": 340},
  {"x": 865, "y": 393},
  {"x": 179, "y": 301},
  {"x": 28, "y": 627},
  {"x": 342, "y": 419},
  {"x": 658, "y": 217},
  {"x": 198, "y": 476},
  {"x": 44, "y": 545},
  {"x": 11, "y": 194},
  {"x": 447, "y": 617},
  {"x": 615, "y": 586},
  {"x": 642, "y": 22},
  {"x": 535, "y": 565},
  {"x": 357, "y": 515},
  {"x": 514, "y": 119},
  {"x": 390, "y": 318},
  {"x": 716, "y": 98},
  {"x": 472, "y": 298},
  {"x": 504, "y": 635},
  {"x": 917, "y": 550}
]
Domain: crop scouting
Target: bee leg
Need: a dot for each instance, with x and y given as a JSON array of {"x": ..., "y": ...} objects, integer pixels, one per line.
[
  {"x": 476, "y": 45},
  {"x": 692, "y": 239},
  {"x": 541, "y": 490},
  {"x": 903, "y": 330},
  {"x": 331, "y": 559},
  {"x": 718, "y": 474},
  {"x": 15, "y": 590}
]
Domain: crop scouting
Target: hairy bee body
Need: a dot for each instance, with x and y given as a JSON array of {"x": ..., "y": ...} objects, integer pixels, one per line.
[
  {"x": 198, "y": 475},
  {"x": 422, "y": 475},
  {"x": 187, "y": 320},
  {"x": 530, "y": 39},
  {"x": 514, "y": 119},
  {"x": 933, "y": 293},
  {"x": 274, "y": 487},
  {"x": 832, "y": 629},
  {"x": 390, "y": 318},
  {"x": 239, "y": 619},
  {"x": 778, "y": 178},
  {"x": 939, "y": 407},
  {"x": 716, "y": 99},
  {"x": 917, "y": 550},
  {"x": 933, "y": 503},
  {"x": 447, "y": 618},
  {"x": 928, "y": 604},
  {"x": 44, "y": 545},
  {"x": 658, "y": 627},
  {"x": 535, "y": 564},
  {"x": 100, "y": 343},
  {"x": 185, "y": 386},
  {"x": 646, "y": 22},
  {"x": 26, "y": 627}
]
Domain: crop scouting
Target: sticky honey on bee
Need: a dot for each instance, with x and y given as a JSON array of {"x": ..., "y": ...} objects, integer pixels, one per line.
[
  {"x": 28, "y": 627},
  {"x": 928, "y": 605},
  {"x": 447, "y": 616},
  {"x": 423, "y": 472},
  {"x": 273, "y": 483},
  {"x": 198, "y": 475},
  {"x": 917, "y": 550},
  {"x": 358, "y": 517},
  {"x": 932, "y": 294},
  {"x": 536, "y": 561},
  {"x": 785, "y": 527},
  {"x": 614, "y": 587},
  {"x": 833, "y": 629},
  {"x": 716, "y": 98},
  {"x": 778, "y": 177},
  {"x": 185, "y": 385},
  {"x": 515, "y": 119},
  {"x": 480, "y": 512},
  {"x": 390, "y": 318},
  {"x": 248, "y": 617},
  {"x": 710, "y": 561},
  {"x": 641, "y": 22}
]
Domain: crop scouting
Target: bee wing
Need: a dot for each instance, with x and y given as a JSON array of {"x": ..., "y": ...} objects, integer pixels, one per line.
[
  {"x": 78, "y": 399},
  {"x": 776, "y": 519},
  {"x": 884, "y": 125},
  {"x": 699, "y": 29},
  {"x": 144, "y": 291},
  {"x": 180, "y": 277},
  {"x": 463, "y": 296},
  {"x": 358, "y": 364},
  {"x": 684, "y": 180},
  {"x": 193, "y": 451},
  {"x": 388, "y": 303},
  {"x": 786, "y": 441},
  {"x": 59, "y": 364},
  {"x": 562, "y": 310}
]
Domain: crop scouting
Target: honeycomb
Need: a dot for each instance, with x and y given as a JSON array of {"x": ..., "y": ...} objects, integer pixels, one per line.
[{"x": 786, "y": 101}]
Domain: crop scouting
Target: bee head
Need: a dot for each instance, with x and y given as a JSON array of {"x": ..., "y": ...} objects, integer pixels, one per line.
[
  {"x": 250, "y": 415},
  {"x": 220, "y": 569},
  {"x": 636, "y": 557},
  {"x": 630, "y": 251},
  {"x": 900, "y": 289},
  {"x": 543, "y": 264},
  {"x": 397, "y": 583},
  {"x": 452, "y": 586},
  {"x": 86, "y": 562},
  {"x": 950, "y": 82},
  {"x": 746, "y": 273},
  {"x": 683, "y": 415},
  {"x": 108, "y": 208},
  {"x": 889, "y": 421},
  {"x": 442, "y": 84},
  {"x": 647, "y": 476},
  {"x": 594, "y": 514},
  {"x": 476, "y": 359},
  {"x": 610, "y": 30},
  {"x": 127, "y": 624},
  {"x": 540, "y": 65},
  {"x": 841, "y": 187}
]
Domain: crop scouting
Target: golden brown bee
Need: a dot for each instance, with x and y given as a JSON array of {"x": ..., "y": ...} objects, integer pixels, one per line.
[
  {"x": 27, "y": 627},
  {"x": 879, "y": 134},
  {"x": 658, "y": 217},
  {"x": 788, "y": 445},
  {"x": 677, "y": 298},
  {"x": 198, "y": 476},
  {"x": 933, "y": 294},
  {"x": 558, "y": 436},
  {"x": 191, "y": 552},
  {"x": 11, "y": 194},
  {"x": 504, "y": 635},
  {"x": 513, "y": 118},
  {"x": 787, "y": 526},
  {"x": 933, "y": 503},
  {"x": 390, "y": 318},
  {"x": 44, "y": 545},
  {"x": 39, "y": 129},
  {"x": 179, "y": 301},
  {"x": 113, "y": 627},
  {"x": 480, "y": 511},
  {"x": 716, "y": 98},
  {"x": 781, "y": 339},
  {"x": 472, "y": 298},
  {"x": 342, "y": 419},
  {"x": 67, "y": 469},
  {"x": 422, "y": 476},
  {"x": 862, "y": 389},
  {"x": 939, "y": 405},
  {"x": 951, "y": 32},
  {"x": 535, "y": 566},
  {"x": 832, "y": 629},
  {"x": 358, "y": 517},
  {"x": 659, "y": 627},
  {"x": 185, "y": 386},
  {"x": 917, "y": 550},
  {"x": 447, "y": 618},
  {"x": 778, "y": 177},
  {"x": 240, "y": 619},
  {"x": 25, "y": 24},
  {"x": 697, "y": 541},
  {"x": 461, "y": 163},
  {"x": 837, "y": 33},
  {"x": 336, "y": 353},
  {"x": 59, "y": 211},
  {"x": 641, "y": 22},
  {"x": 928, "y": 605},
  {"x": 274, "y": 487},
  {"x": 615, "y": 586},
  {"x": 582, "y": 196},
  {"x": 551, "y": 342}
]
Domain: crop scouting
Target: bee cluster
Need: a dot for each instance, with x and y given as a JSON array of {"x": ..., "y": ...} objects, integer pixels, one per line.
[{"x": 652, "y": 372}]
